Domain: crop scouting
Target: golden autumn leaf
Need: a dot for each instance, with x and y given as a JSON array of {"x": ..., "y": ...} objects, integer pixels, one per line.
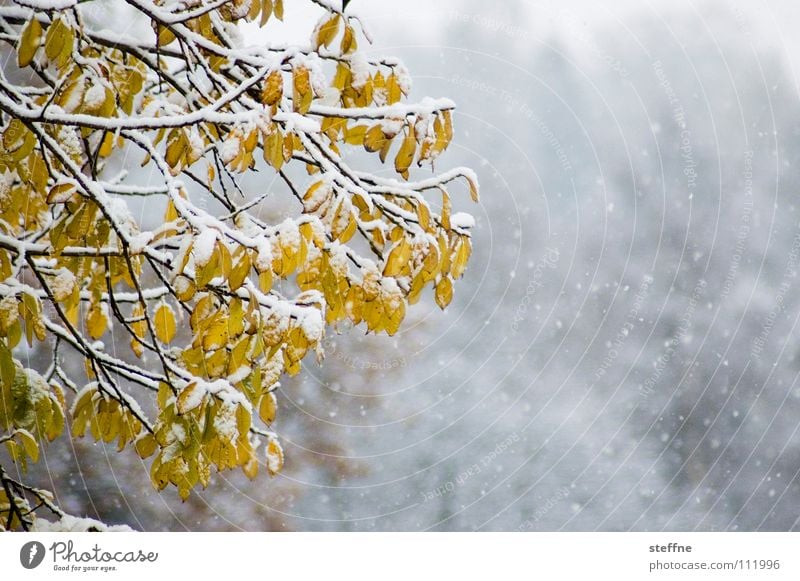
[
  {"x": 444, "y": 292},
  {"x": 327, "y": 31},
  {"x": 96, "y": 322},
  {"x": 55, "y": 39},
  {"x": 267, "y": 407},
  {"x": 273, "y": 88},
  {"x": 164, "y": 322},
  {"x": 145, "y": 445},
  {"x": 302, "y": 92},
  {"x": 349, "y": 44},
  {"x": 29, "y": 42},
  {"x": 405, "y": 154},
  {"x": 274, "y": 457}
]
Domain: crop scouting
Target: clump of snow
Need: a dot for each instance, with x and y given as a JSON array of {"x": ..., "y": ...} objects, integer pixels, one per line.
[
  {"x": 297, "y": 122},
  {"x": 312, "y": 325},
  {"x": 264, "y": 255},
  {"x": 380, "y": 96},
  {"x": 240, "y": 9},
  {"x": 225, "y": 422},
  {"x": 229, "y": 148},
  {"x": 74, "y": 99},
  {"x": 289, "y": 235},
  {"x": 194, "y": 398},
  {"x": 120, "y": 214},
  {"x": 389, "y": 285},
  {"x": 316, "y": 73},
  {"x": 330, "y": 96},
  {"x": 338, "y": 258},
  {"x": 95, "y": 96},
  {"x": 240, "y": 374},
  {"x": 138, "y": 243},
  {"x": 319, "y": 198},
  {"x": 69, "y": 140},
  {"x": 225, "y": 392},
  {"x": 462, "y": 221},
  {"x": 392, "y": 125},
  {"x": 63, "y": 284},
  {"x": 182, "y": 285},
  {"x": 360, "y": 68},
  {"x": 178, "y": 433},
  {"x": 203, "y": 248}
]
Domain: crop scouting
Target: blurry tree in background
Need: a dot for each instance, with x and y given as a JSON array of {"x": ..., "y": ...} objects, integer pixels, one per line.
[{"x": 185, "y": 329}]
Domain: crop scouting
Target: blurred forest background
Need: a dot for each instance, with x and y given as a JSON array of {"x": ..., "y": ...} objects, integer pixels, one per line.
[{"x": 622, "y": 353}]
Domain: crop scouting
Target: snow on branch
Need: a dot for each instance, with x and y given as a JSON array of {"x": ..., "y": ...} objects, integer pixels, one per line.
[{"x": 204, "y": 311}]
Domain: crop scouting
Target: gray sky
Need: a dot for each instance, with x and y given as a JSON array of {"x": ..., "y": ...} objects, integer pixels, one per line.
[{"x": 763, "y": 23}]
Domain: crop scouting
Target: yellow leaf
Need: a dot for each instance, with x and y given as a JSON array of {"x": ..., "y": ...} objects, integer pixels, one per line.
[
  {"x": 448, "y": 126},
  {"x": 165, "y": 323},
  {"x": 473, "y": 189},
  {"x": 461, "y": 258},
  {"x": 398, "y": 258},
  {"x": 176, "y": 148},
  {"x": 393, "y": 90},
  {"x": 349, "y": 231},
  {"x": 406, "y": 154},
  {"x": 355, "y": 135},
  {"x": 267, "y": 408},
  {"x": 216, "y": 336},
  {"x": 66, "y": 48},
  {"x": 145, "y": 445},
  {"x": 137, "y": 347},
  {"x": 55, "y": 39},
  {"x": 235, "y": 318},
  {"x": 165, "y": 36},
  {"x": 250, "y": 468},
  {"x": 274, "y": 457},
  {"x": 188, "y": 398},
  {"x": 327, "y": 31},
  {"x": 238, "y": 354},
  {"x": 444, "y": 292},
  {"x": 424, "y": 215},
  {"x": 29, "y": 42},
  {"x": 172, "y": 213},
  {"x": 374, "y": 139},
  {"x": 55, "y": 424},
  {"x": 29, "y": 444},
  {"x": 255, "y": 8},
  {"x": 273, "y": 149},
  {"x": 60, "y": 193},
  {"x": 266, "y": 11},
  {"x": 265, "y": 281},
  {"x": 96, "y": 322},
  {"x": 302, "y": 92},
  {"x": 348, "y": 40},
  {"x": 445, "y": 217},
  {"x": 239, "y": 271},
  {"x": 273, "y": 88},
  {"x": 107, "y": 146},
  {"x": 139, "y": 326}
]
